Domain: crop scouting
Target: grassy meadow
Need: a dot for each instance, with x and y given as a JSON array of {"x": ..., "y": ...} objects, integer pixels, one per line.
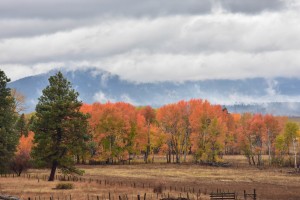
[{"x": 127, "y": 181}]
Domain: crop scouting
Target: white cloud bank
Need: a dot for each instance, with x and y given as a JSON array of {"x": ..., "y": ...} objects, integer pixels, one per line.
[{"x": 178, "y": 45}]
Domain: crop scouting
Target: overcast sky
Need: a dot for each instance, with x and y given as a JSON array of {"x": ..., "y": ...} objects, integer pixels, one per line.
[{"x": 152, "y": 40}]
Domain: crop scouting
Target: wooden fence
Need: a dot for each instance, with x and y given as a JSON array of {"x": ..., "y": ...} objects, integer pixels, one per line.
[
  {"x": 232, "y": 195},
  {"x": 172, "y": 192}
]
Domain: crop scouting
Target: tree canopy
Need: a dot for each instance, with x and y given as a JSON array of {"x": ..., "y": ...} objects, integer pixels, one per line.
[
  {"x": 60, "y": 128},
  {"x": 8, "y": 135}
]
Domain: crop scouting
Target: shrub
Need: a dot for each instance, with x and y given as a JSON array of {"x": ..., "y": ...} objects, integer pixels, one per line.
[
  {"x": 158, "y": 189},
  {"x": 64, "y": 186}
]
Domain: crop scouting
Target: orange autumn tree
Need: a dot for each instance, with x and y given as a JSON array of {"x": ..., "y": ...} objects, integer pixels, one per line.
[
  {"x": 149, "y": 118},
  {"x": 148, "y": 137},
  {"x": 208, "y": 131},
  {"x": 273, "y": 130},
  {"x": 114, "y": 127},
  {"x": 167, "y": 120},
  {"x": 21, "y": 160},
  {"x": 244, "y": 137},
  {"x": 174, "y": 121},
  {"x": 258, "y": 131},
  {"x": 140, "y": 141},
  {"x": 257, "y": 134},
  {"x": 231, "y": 135}
]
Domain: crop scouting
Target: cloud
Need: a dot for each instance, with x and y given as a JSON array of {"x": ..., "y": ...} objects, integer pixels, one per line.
[
  {"x": 152, "y": 41},
  {"x": 253, "y": 6},
  {"x": 102, "y": 97},
  {"x": 78, "y": 9},
  {"x": 271, "y": 89},
  {"x": 126, "y": 98}
]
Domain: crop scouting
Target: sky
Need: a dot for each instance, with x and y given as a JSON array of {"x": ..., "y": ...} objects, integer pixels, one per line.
[{"x": 152, "y": 40}]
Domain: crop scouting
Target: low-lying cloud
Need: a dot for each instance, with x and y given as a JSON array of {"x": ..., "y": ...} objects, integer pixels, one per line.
[{"x": 152, "y": 41}]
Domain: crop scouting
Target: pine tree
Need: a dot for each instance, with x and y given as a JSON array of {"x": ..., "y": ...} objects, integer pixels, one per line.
[
  {"x": 59, "y": 126},
  {"x": 8, "y": 135}
]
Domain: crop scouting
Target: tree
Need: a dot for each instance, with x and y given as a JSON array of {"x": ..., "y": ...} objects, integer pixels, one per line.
[
  {"x": 8, "y": 135},
  {"x": 273, "y": 129},
  {"x": 21, "y": 125},
  {"x": 19, "y": 100},
  {"x": 281, "y": 148},
  {"x": 149, "y": 115},
  {"x": 59, "y": 126},
  {"x": 258, "y": 133},
  {"x": 171, "y": 122},
  {"x": 291, "y": 134},
  {"x": 115, "y": 129},
  {"x": 245, "y": 137},
  {"x": 208, "y": 130},
  {"x": 21, "y": 160}
]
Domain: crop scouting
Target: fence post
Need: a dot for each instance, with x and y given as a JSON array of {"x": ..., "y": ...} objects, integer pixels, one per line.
[{"x": 138, "y": 196}]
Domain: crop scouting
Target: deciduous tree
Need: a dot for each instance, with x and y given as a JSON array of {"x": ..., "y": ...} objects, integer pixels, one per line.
[
  {"x": 291, "y": 135},
  {"x": 273, "y": 129},
  {"x": 21, "y": 160}
]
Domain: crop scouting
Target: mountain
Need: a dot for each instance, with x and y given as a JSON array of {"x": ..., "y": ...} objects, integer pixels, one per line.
[{"x": 278, "y": 96}]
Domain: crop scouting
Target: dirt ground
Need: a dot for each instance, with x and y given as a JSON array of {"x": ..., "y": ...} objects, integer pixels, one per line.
[{"x": 133, "y": 180}]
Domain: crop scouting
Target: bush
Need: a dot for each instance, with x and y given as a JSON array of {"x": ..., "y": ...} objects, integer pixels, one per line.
[
  {"x": 64, "y": 186},
  {"x": 158, "y": 189}
]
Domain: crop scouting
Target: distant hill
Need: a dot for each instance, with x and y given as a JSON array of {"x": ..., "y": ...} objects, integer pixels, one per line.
[{"x": 247, "y": 95}]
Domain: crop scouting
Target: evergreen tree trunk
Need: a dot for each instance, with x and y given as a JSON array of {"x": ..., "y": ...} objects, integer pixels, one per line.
[{"x": 53, "y": 170}]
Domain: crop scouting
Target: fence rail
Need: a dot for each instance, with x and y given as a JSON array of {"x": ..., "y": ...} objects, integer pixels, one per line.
[
  {"x": 223, "y": 195},
  {"x": 172, "y": 192}
]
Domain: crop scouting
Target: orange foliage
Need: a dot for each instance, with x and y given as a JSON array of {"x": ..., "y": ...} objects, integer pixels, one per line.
[
  {"x": 26, "y": 143},
  {"x": 196, "y": 126}
]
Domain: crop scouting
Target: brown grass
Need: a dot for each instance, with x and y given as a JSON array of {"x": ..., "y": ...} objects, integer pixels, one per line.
[{"x": 269, "y": 183}]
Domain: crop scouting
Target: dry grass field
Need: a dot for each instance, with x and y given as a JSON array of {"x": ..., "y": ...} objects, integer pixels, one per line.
[{"x": 141, "y": 178}]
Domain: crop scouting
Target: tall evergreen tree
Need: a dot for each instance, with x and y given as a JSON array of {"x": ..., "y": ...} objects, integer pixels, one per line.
[
  {"x": 8, "y": 135},
  {"x": 59, "y": 126}
]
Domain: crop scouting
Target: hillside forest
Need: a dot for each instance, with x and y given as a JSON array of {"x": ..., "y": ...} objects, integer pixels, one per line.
[{"x": 63, "y": 132}]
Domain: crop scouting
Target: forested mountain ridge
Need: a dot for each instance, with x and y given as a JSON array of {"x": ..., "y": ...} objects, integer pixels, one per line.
[{"x": 277, "y": 96}]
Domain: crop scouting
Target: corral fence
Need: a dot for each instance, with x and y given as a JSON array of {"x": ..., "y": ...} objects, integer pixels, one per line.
[
  {"x": 232, "y": 195},
  {"x": 105, "y": 182},
  {"x": 174, "y": 192},
  {"x": 113, "y": 196}
]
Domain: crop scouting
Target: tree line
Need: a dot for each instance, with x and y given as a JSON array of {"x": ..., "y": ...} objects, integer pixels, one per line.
[
  {"x": 63, "y": 131},
  {"x": 120, "y": 131}
]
